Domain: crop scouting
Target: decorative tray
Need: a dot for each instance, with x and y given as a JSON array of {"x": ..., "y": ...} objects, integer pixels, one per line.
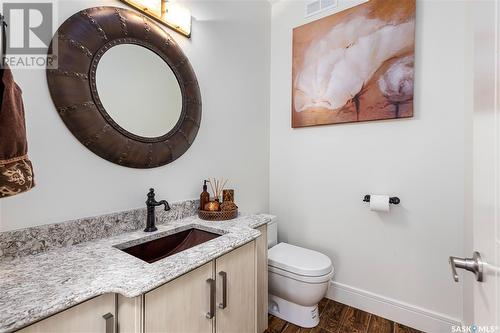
[{"x": 222, "y": 215}]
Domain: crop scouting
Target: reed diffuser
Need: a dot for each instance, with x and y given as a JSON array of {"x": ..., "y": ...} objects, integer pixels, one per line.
[{"x": 217, "y": 186}]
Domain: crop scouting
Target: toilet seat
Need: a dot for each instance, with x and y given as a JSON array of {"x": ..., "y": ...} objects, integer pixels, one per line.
[
  {"x": 299, "y": 263},
  {"x": 301, "y": 278}
]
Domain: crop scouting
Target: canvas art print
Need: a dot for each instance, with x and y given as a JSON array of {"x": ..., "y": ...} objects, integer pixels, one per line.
[{"x": 355, "y": 65}]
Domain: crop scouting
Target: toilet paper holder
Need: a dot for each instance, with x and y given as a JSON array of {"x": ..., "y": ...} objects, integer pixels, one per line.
[{"x": 392, "y": 200}]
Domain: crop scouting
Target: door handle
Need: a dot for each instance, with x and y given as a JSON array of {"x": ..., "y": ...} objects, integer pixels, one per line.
[
  {"x": 474, "y": 265},
  {"x": 210, "y": 314},
  {"x": 223, "y": 275},
  {"x": 109, "y": 322}
]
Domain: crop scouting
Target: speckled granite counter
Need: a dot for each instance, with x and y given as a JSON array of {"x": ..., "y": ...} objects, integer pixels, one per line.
[{"x": 36, "y": 286}]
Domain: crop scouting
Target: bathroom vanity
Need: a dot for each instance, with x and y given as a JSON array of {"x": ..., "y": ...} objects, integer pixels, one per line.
[{"x": 217, "y": 285}]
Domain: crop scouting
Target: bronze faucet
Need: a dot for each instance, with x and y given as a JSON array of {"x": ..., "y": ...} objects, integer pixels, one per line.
[{"x": 151, "y": 204}]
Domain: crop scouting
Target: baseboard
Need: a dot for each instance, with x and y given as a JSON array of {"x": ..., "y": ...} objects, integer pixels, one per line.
[{"x": 406, "y": 314}]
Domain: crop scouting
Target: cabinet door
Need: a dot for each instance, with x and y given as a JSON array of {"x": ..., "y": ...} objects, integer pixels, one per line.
[
  {"x": 181, "y": 306},
  {"x": 96, "y": 315},
  {"x": 262, "y": 285},
  {"x": 238, "y": 312}
]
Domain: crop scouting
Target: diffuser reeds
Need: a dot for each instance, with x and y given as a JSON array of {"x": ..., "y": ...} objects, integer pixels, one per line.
[{"x": 217, "y": 186}]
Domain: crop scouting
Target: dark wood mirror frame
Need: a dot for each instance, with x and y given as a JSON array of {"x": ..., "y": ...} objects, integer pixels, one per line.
[{"x": 80, "y": 42}]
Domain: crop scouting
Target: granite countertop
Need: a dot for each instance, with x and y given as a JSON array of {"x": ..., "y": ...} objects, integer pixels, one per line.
[{"x": 37, "y": 286}]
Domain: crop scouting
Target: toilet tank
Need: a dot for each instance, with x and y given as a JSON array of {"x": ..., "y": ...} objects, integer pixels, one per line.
[{"x": 272, "y": 232}]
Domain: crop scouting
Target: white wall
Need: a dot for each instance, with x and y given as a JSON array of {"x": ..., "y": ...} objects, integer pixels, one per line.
[
  {"x": 319, "y": 175},
  {"x": 229, "y": 51}
]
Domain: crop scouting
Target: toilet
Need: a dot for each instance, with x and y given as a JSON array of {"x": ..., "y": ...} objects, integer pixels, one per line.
[{"x": 298, "y": 280}]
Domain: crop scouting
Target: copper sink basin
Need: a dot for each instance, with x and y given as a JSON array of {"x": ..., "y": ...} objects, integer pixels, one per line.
[{"x": 163, "y": 247}]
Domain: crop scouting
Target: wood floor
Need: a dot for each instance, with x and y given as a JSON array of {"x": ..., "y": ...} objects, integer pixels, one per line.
[{"x": 339, "y": 318}]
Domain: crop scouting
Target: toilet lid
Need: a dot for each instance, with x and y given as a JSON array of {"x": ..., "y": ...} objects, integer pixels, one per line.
[{"x": 298, "y": 260}]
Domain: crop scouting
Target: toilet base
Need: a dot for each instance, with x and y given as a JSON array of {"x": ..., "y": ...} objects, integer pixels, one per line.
[{"x": 303, "y": 316}]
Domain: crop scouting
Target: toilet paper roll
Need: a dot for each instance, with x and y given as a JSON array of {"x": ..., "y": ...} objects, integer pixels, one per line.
[{"x": 379, "y": 203}]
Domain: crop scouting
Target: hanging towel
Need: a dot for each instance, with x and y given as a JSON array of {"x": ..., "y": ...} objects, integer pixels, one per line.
[{"x": 16, "y": 171}]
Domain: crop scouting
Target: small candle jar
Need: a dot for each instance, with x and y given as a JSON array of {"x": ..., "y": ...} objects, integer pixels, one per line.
[{"x": 212, "y": 206}]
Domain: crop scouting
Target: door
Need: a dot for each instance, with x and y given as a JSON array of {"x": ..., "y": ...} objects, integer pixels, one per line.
[
  {"x": 236, "y": 284},
  {"x": 486, "y": 163},
  {"x": 96, "y": 315},
  {"x": 182, "y": 305}
]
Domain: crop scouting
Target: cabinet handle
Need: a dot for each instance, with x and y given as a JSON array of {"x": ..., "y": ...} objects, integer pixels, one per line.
[
  {"x": 109, "y": 322},
  {"x": 223, "y": 275},
  {"x": 211, "y": 313}
]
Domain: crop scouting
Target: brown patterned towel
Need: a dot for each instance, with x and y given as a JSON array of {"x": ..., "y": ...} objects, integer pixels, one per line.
[{"x": 16, "y": 171}]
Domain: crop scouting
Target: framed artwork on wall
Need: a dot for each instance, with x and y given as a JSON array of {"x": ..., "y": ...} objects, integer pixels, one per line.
[{"x": 355, "y": 65}]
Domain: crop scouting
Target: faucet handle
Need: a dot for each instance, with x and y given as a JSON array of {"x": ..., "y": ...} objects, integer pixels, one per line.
[{"x": 151, "y": 194}]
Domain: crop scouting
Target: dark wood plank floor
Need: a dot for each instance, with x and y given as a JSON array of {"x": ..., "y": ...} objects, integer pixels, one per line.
[{"x": 339, "y": 318}]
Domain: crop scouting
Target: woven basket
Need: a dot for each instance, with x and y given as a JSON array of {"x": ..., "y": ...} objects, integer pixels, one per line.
[{"x": 217, "y": 216}]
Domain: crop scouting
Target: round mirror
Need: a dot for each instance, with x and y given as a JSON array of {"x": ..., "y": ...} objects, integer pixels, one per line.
[
  {"x": 138, "y": 90},
  {"x": 128, "y": 92}
]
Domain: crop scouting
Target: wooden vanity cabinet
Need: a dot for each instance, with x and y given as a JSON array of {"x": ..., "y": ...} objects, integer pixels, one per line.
[
  {"x": 183, "y": 304},
  {"x": 96, "y": 315},
  {"x": 262, "y": 280},
  {"x": 216, "y": 297}
]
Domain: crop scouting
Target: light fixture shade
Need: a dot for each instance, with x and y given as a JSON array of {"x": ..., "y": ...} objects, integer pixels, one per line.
[
  {"x": 170, "y": 14},
  {"x": 179, "y": 17}
]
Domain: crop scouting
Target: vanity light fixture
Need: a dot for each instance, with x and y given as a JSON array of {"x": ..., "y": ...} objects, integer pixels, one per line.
[{"x": 168, "y": 13}]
